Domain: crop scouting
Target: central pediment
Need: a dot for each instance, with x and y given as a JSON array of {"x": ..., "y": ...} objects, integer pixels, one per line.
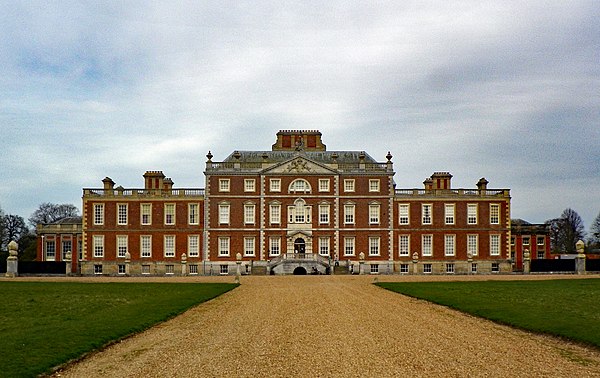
[{"x": 300, "y": 165}]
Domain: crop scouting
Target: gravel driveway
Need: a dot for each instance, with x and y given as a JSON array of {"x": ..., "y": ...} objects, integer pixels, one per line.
[{"x": 333, "y": 326}]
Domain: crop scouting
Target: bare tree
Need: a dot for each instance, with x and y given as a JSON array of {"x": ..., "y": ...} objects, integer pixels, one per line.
[
  {"x": 50, "y": 212},
  {"x": 14, "y": 228},
  {"x": 594, "y": 236}
]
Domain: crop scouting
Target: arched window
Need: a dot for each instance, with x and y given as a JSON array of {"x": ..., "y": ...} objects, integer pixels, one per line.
[
  {"x": 299, "y": 186},
  {"x": 299, "y": 212}
]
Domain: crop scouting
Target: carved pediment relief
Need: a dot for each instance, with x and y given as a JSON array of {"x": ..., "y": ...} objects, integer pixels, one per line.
[{"x": 300, "y": 165}]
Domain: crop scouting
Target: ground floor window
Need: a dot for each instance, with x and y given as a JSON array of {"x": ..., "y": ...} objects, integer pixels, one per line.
[
  {"x": 450, "y": 268},
  {"x": 193, "y": 269},
  {"x": 169, "y": 269},
  {"x": 540, "y": 254},
  {"x": 97, "y": 268},
  {"x": 145, "y": 269},
  {"x": 403, "y": 268},
  {"x": 224, "y": 269},
  {"x": 473, "y": 267},
  {"x": 495, "y": 267},
  {"x": 374, "y": 268},
  {"x": 426, "y": 268},
  {"x": 121, "y": 268}
]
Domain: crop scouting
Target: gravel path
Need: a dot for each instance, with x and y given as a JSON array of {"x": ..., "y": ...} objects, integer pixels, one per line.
[{"x": 333, "y": 326}]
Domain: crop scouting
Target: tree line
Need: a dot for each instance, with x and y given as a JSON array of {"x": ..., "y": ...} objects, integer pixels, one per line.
[{"x": 566, "y": 230}]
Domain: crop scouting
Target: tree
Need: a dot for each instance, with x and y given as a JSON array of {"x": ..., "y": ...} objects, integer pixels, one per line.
[
  {"x": 14, "y": 228},
  {"x": 50, "y": 212},
  {"x": 594, "y": 237},
  {"x": 566, "y": 231},
  {"x": 554, "y": 230}
]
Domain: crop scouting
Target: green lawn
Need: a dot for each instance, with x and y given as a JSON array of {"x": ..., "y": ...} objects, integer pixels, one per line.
[
  {"x": 565, "y": 308},
  {"x": 45, "y": 324}
]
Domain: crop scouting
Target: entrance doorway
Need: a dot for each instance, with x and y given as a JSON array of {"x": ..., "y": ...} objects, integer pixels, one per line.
[
  {"x": 299, "y": 246},
  {"x": 299, "y": 271}
]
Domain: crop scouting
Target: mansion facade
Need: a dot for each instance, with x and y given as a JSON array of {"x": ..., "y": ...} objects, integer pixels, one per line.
[{"x": 295, "y": 209}]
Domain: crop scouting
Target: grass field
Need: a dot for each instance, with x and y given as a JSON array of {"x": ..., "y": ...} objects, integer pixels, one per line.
[
  {"x": 565, "y": 308},
  {"x": 45, "y": 324}
]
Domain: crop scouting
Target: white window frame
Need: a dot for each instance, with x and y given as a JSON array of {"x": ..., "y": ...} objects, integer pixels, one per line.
[
  {"x": 299, "y": 213},
  {"x": 349, "y": 213},
  {"x": 473, "y": 244},
  {"x": 224, "y": 213},
  {"x": 495, "y": 245},
  {"x": 224, "y": 185},
  {"x": 121, "y": 269},
  {"x": 349, "y": 185},
  {"x": 170, "y": 211},
  {"x": 449, "y": 245},
  {"x": 324, "y": 210},
  {"x": 449, "y": 213},
  {"x": 193, "y": 269},
  {"x": 193, "y": 213},
  {"x": 323, "y": 185},
  {"x": 374, "y": 186},
  {"x": 427, "y": 268},
  {"x": 98, "y": 245},
  {"x": 122, "y": 214},
  {"x": 169, "y": 269},
  {"x": 275, "y": 213},
  {"x": 146, "y": 210},
  {"x": 145, "y": 246},
  {"x": 98, "y": 214},
  {"x": 324, "y": 243},
  {"x": 374, "y": 246},
  {"x": 274, "y": 246},
  {"x": 349, "y": 246},
  {"x": 427, "y": 213},
  {"x": 299, "y": 185},
  {"x": 473, "y": 267},
  {"x": 193, "y": 245},
  {"x": 427, "y": 245},
  {"x": 122, "y": 245},
  {"x": 275, "y": 185},
  {"x": 169, "y": 246},
  {"x": 403, "y": 214},
  {"x": 374, "y": 213},
  {"x": 249, "y": 213},
  {"x": 224, "y": 246},
  {"x": 494, "y": 213},
  {"x": 249, "y": 185},
  {"x": 67, "y": 246},
  {"x": 249, "y": 246},
  {"x": 472, "y": 213},
  {"x": 404, "y": 245}
]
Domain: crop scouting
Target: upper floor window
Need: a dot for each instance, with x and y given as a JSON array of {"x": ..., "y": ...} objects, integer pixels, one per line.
[
  {"x": 300, "y": 186},
  {"x": 169, "y": 213},
  {"x": 324, "y": 246},
  {"x": 404, "y": 245},
  {"x": 449, "y": 213},
  {"x": 494, "y": 213},
  {"x": 274, "y": 246},
  {"x": 473, "y": 244},
  {"x": 122, "y": 213},
  {"x": 193, "y": 245},
  {"x": 349, "y": 213},
  {"x": 374, "y": 214},
  {"x": 323, "y": 185},
  {"x": 224, "y": 213},
  {"x": 374, "y": 246},
  {"x": 193, "y": 213},
  {"x": 249, "y": 185},
  {"x": 426, "y": 216},
  {"x": 122, "y": 245},
  {"x": 349, "y": 243},
  {"x": 324, "y": 213},
  {"x": 224, "y": 246},
  {"x": 540, "y": 240},
  {"x": 146, "y": 214},
  {"x": 249, "y": 213},
  {"x": 349, "y": 185},
  {"x": 98, "y": 213},
  {"x": 169, "y": 246},
  {"x": 275, "y": 185},
  {"x": 224, "y": 185},
  {"x": 98, "y": 245},
  {"x": 403, "y": 213},
  {"x": 299, "y": 213},
  {"x": 146, "y": 245},
  {"x": 472, "y": 213},
  {"x": 494, "y": 245},
  {"x": 449, "y": 245},
  {"x": 426, "y": 245},
  {"x": 373, "y": 185},
  {"x": 275, "y": 213},
  {"x": 526, "y": 240},
  {"x": 249, "y": 246}
]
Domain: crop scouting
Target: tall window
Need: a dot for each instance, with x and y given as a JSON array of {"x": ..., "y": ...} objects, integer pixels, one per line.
[
  {"x": 122, "y": 213},
  {"x": 449, "y": 213},
  {"x": 494, "y": 245},
  {"x": 473, "y": 244},
  {"x": 323, "y": 214},
  {"x": 146, "y": 214},
  {"x": 193, "y": 245},
  {"x": 426, "y": 214},
  {"x": 146, "y": 245},
  {"x": 494, "y": 213},
  {"x": 427, "y": 245},
  {"x": 50, "y": 251},
  {"x": 348, "y": 185},
  {"x": 349, "y": 246},
  {"x": 121, "y": 245},
  {"x": 324, "y": 246},
  {"x": 349, "y": 214},
  {"x": 374, "y": 246},
  {"x": 275, "y": 185},
  {"x": 299, "y": 213},
  {"x": 249, "y": 185},
  {"x": 449, "y": 245},
  {"x": 374, "y": 214},
  {"x": 275, "y": 213},
  {"x": 249, "y": 213},
  {"x": 249, "y": 246},
  {"x": 193, "y": 213},
  {"x": 323, "y": 185},
  {"x": 67, "y": 246},
  {"x": 274, "y": 246},
  {"x": 98, "y": 245},
  {"x": 373, "y": 185},
  {"x": 403, "y": 211},
  {"x": 299, "y": 186},
  {"x": 404, "y": 245},
  {"x": 472, "y": 213},
  {"x": 223, "y": 185},
  {"x": 169, "y": 213},
  {"x": 223, "y": 246},
  {"x": 169, "y": 245},
  {"x": 98, "y": 213},
  {"x": 224, "y": 214}
]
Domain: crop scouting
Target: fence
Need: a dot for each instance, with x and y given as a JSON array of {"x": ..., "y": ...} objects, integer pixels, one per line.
[
  {"x": 558, "y": 265},
  {"x": 592, "y": 265},
  {"x": 42, "y": 267}
]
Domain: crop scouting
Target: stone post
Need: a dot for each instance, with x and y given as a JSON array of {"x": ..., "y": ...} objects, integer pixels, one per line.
[
  {"x": 361, "y": 266},
  {"x": 469, "y": 262},
  {"x": 580, "y": 259},
  {"x": 68, "y": 256},
  {"x": 127, "y": 262},
  {"x": 12, "y": 262},
  {"x": 183, "y": 264},
  {"x": 415, "y": 260},
  {"x": 526, "y": 262},
  {"x": 238, "y": 262}
]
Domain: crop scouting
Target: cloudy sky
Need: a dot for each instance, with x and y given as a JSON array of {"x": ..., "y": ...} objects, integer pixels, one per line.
[{"x": 505, "y": 90}]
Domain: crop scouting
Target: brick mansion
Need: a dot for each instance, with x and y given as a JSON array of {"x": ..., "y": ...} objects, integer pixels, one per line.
[{"x": 297, "y": 208}]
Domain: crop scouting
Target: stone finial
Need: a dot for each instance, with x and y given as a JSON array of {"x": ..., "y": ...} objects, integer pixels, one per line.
[
  {"x": 209, "y": 156},
  {"x": 361, "y": 256},
  {"x": 389, "y": 156},
  {"x": 580, "y": 246},
  {"x": 68, "y": 256},
  {"x": 183, "y": 257},
  {"x": 13, "y": 248}
]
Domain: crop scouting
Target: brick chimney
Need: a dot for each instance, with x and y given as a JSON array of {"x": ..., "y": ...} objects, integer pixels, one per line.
[
  {"x": 154, "y": 180},
  {"x": 482, "y": 184},
  {"x": 300, "y": 140},
  {"x": 109, "y": 184},
  {"x": 428, "y": 183},
  {"x": 441, "y": 180}
]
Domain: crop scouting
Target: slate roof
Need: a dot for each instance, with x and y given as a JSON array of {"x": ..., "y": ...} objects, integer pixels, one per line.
[{"x": 324, "y": 157}]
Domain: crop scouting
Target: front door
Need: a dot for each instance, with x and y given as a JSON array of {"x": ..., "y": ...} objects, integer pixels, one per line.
[{"x": 299, "y": 245}]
